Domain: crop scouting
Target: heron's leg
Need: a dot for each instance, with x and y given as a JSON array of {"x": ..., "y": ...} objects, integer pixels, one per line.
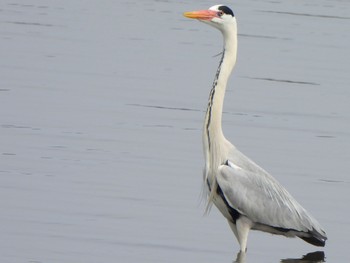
[
  {"x": 240, "y": 257},
  {"x": 243, "y": 225}
]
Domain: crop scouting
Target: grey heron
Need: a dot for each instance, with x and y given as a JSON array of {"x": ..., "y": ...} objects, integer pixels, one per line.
[{"x": 246, "y": 195}]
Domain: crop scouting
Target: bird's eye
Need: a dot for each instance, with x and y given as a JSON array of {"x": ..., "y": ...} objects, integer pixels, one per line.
[{"x": 220, "y": 14}]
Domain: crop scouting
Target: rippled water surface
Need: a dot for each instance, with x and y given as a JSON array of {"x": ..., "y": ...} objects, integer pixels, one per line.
[{"x": 101, "y": 109}]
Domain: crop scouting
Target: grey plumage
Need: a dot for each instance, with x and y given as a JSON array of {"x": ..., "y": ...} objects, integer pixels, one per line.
[{"x": 245, "y": 194}]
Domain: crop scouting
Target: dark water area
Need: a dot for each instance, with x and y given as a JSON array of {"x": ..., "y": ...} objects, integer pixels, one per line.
[{"x": 101, "y": 110}]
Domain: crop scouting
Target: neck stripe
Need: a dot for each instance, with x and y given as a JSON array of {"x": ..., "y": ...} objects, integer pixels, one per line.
[{"x": 211, "y": 97}]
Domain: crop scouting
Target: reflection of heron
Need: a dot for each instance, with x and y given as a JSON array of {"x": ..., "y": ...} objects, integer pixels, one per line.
[
  {"x": 245, "y": 194},
  {"x": 314, "y": 257}
]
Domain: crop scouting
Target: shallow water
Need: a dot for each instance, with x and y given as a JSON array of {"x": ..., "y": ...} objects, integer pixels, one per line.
[{"x": 101, "y": 109}]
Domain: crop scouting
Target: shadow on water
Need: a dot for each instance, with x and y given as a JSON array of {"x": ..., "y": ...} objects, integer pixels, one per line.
[{"x": 312, "y": 257}]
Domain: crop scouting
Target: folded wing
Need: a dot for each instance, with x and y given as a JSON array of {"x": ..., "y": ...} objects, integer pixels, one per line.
[{"x": 263, "y": 200}]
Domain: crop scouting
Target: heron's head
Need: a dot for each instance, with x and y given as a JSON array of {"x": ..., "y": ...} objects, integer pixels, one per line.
[{"x": 218, "y": 16}]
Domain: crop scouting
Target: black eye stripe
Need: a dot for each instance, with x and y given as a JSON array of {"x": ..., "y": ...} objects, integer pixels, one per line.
[{"x": 226, "y": 10}]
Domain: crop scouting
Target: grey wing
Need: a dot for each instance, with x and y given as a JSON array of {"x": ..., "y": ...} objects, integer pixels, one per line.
[{"x": 262, "y": 199}]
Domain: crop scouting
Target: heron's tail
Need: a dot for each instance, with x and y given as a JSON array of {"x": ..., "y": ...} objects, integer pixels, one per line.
[{"x": 315, "y": 238}]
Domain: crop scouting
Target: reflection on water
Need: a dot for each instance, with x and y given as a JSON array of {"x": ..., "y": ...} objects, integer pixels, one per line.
[
  {"x": 317, "y": 256},
  {"x": 312, "y": 257}
]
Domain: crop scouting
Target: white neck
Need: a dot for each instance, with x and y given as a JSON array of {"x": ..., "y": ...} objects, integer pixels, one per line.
[{"x": 213, "y": 138}]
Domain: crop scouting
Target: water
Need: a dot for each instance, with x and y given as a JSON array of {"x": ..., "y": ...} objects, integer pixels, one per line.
[{"x": 101, "y": 109}]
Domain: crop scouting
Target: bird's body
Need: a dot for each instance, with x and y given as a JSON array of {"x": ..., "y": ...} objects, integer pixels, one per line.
[{"x": 245, "y": 194}]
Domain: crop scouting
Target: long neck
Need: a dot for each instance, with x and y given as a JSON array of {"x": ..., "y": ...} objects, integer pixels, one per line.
[{"x": 213, "y": 137}]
